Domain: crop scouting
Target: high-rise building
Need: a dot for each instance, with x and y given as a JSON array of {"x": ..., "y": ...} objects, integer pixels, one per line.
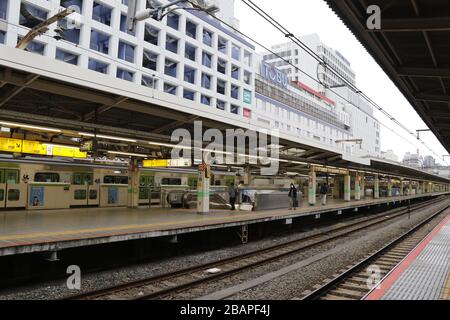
[
  {"x": 413, "y": 160},
  {"x": 429, "y": 162},
  {"x": 320, "y": 78}
]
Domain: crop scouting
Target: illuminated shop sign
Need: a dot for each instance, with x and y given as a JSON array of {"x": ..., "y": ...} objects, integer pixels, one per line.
[{"x": 274, "y": 75}]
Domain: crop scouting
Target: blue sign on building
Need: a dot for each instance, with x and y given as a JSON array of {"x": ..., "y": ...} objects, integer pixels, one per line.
[{"x": 274, "y": 75}]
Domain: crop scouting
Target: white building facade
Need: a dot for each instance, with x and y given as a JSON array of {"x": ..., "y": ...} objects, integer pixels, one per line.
[{"x": 363, "y": 125}]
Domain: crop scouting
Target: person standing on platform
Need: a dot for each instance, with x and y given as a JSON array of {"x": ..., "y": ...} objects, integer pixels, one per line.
[
  {"x": 293, "y": 197},
  {"x": 323, "y": 193},
  {"x": 232, "y": 193}
]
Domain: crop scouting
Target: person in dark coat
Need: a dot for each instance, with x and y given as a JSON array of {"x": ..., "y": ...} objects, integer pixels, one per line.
[
  {"x": 232, "y": 192},
  {"x": 323, "y": 192},
  {"x": 292, "y": 197}
]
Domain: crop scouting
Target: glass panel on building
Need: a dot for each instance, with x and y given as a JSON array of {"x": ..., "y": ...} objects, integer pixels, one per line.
[
  {"x": 125, "y": 74},
  {"x": 151, "y": 35},
  {"x": 235, "y": 52},
  {"x": 220, "y": 104},
  {"x": 149, "y": 60},
  {"x": 234, "y": 91},
  {"x": 98, "y": 66},
  {"x": 101, "y": 13},
  {"x": 235, "y": 72},
  {"x": 2, "y": 36},
  {"x": 123, "y": 25},
  {"x": 3, "y": 8},
  {"x": 190, "y": 52},
  {"x": 205, "y": 100},
  {"x": 189, "y": 74},
  {"x": 221, "y": 85},
  {"x": 126, "y": 52},
  {"x": 172, "y": 44},
  {"x": 222, "y": 66},
  {"x": 67, "y": 57},
  {"x": 206, "y": 81},
  {"x": 173, "y": 20},
  {"x": 31, "y": 16},
  {"x": 73, "y": 3},
  {"x": 191, "y": 29},
  {"x": 247, "y": 77},
  {"x": 35, "y": 47},
  {"x": 71, "y": 33},
  {"x": 170, "y": 88},
  {"x": 170, "y": 68},
  {"x": 206, "y": 59},
  {"x": 149, "y": 82},
  {"x": 247, "y": 58},
  {"x": 222, "y": 45},
  {"x": 188, "y": 94},
  {"x": 99, "y": 42},
  {"x": 234, "y": 109},
  {"x": 207, "y": 37}
]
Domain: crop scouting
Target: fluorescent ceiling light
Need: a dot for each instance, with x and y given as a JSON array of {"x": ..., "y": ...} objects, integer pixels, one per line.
[{"x": 21, "y": 125}]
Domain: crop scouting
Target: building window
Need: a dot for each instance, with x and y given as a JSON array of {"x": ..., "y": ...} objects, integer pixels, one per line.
[
  {"x": 189, "y": 74},
  {"x": 101, "y": 13},
  {"x": 172, "y": 44},
  {"x": 220, "y": 104},
  {"x": 205, "y": 100},
  {"x": 206, "y": 81},
  {"x": 234, "y": 109},
  {"x": 235, "y": 72},
  {"x": 99, "y": 42},
  {"x": 151, "y": 35},
  {"x": 2, "y": 36},
  {"x": 235, "y": 52},
  {"x": 190, "y": 52},
  {"x": 247, "y": 113},
  {"x": 247, "y": 77},
  {"x": 36, "y": 47},
  {"x": 170, "y": 88},
  {"x": 149, "y": 60},
  {"x": 173, "y": 20},
  {"x": 68, "y": 3},
  {"x": 123, "y": 25},
  {"x": 206, "y": 59},
  {"x": 70, "y": 34},
  {"x": 247, "y": 58},
  {"x": 234, "y": 92},
  {"x": 191, "y": 29},
  {"x": 170, "y": 68},
  {"x": 207, "y": 37},
  {"x": 221, "y": 85},
  {"x": 125, "y": 75},
  {"x": 149, "y": 82},
  {"x": 3, "y": 9},
  {"x": 222, "y": 45},
  {"x": 31, "y": 16},
  {"x": 126, "y": 52},
  {"x": 222, "y": 66},
  {"x": 188, "y": 94},
  {"x": 98, "y": 66},
  {"x": 67, "y": 57}
]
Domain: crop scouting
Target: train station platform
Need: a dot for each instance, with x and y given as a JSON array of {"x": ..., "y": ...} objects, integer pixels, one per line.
[
  {"x": 54, "y": 230},
  {"x": 424, "y": 274}
]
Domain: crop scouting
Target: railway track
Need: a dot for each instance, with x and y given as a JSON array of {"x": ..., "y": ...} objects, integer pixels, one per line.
[
  {"x": 166, "y": 284},
  {"x": 357, "y": 281}
]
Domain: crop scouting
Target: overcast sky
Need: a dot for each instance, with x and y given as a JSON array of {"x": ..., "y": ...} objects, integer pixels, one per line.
[{"x": 303, "y": 17}]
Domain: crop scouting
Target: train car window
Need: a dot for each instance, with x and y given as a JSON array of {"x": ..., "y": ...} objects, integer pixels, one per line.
[
  {"x": 80, "y": 195},
  {"x": 81, "y": 179},
  {"x": 13, "y": 195},
  {"x": 115, "y": 179},
  {"x": 171, "y": 181},
  {"x": 12, "y": 176},
  {"x": 2, "y": 194},
  {"x": 92, "y": 194},
  {"x": 46, "y": 177}
]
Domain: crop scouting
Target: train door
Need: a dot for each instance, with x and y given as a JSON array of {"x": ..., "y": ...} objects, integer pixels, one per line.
[
  {"x": 146, "y": 183},
  {"x": 84, "y": 192},
  {"x": 13, "y": 194}
]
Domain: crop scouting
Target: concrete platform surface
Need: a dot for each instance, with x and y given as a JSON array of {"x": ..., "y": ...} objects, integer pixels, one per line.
[
  {"x": 49, "y": 230},
  {"x": 424, "y": 274}
]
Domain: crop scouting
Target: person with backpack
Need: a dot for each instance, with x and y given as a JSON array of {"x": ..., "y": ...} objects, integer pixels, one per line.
[
  {"x": 323, "y": 193},
  {"x": 293, "y": 203}
]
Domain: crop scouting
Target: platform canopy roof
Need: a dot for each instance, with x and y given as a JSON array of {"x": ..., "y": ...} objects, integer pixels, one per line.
[{"x": 413, "y": 48}]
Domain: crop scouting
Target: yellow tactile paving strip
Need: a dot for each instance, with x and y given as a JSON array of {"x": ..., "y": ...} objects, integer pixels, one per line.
[{"x": 445, "y": 295}]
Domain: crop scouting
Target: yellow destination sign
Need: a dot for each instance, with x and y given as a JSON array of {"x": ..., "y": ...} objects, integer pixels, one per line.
[{"x": 10, "y": 145}]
